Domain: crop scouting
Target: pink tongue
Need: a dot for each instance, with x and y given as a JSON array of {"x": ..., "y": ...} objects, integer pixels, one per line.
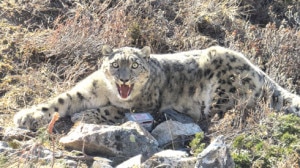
[{"x": 124, "y": 91}]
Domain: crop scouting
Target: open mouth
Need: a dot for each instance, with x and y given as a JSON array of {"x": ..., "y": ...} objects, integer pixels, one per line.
[{"x": 124, "y": 90}]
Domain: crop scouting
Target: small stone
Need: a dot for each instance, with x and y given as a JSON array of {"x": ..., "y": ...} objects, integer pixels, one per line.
[
  {"x": 71, "y": 163},
  {"x": 170, "y": 158},
  {"x": 4, "y": 146},
  {"x": 217, "y": 154},
  {"x": 17, "y": 133},
  {"x": 132, "y": 162},
  {"x": 101, "y": 163}
]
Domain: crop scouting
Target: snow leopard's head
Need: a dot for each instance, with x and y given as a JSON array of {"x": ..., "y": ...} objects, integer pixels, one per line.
[{"x": 126, "y": 69}]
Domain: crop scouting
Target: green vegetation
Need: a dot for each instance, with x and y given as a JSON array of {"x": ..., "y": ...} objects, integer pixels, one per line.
[
  {"x": 197, "y": 145},
  {"x": 241, "y": 160},
  {"x": 14, "y": 144},
  {"x": 271, "y": 144},
  {"x": 3, "y": 159}
]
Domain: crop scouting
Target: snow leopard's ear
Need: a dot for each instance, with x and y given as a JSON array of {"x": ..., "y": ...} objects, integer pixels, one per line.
[
  {"x": 106, "y": 50},
  {"x": 212, "y": 53},
  {"x": 146, "y": 52}
]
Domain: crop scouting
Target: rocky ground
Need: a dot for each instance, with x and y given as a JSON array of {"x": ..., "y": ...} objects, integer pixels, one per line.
[{"x": 48, "y": 46}]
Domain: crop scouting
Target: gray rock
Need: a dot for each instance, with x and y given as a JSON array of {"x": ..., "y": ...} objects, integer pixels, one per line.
[
  {"x": 102, "y": 163},
  {"x": 4, "y": 146},
  {"x": 217, "y": 154},
  {"x": 126, "y": 140},
  {"x": 35, "y": 152},
  {"x": 132, "y": 162},
  {"x": 171, "y": 114},
  {"x": 17, "y": 133},
  {"x": 70, "y": 163},
  {"x": 169, "y": 131},
  {"x": 166, "y": 158},
  {"x": 170, "y": 158}
]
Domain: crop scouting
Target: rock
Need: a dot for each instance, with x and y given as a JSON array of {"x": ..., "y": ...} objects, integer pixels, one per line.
[
  {"x": 70, "y": 163},
  {"x": 17, "y": 133},
  {"x": 126, "y": 140},
  {"x": 4, "y": 146},
  {"x": 1, "y": 129},
  {"x": 36, "y": 152},
  {"x": 101, "y": 163},
  {"x": 166, "y": 158},
  {"x": 10, "y": 147},
  {"x": 132, "y": 162},
  {"x": 28, "y": 150},
  {"x": 215, "y": 155},
  {"x": 170, "y": 158},
  {"x": 171, "y": 114},
  {"x": 169, "y": 131}
]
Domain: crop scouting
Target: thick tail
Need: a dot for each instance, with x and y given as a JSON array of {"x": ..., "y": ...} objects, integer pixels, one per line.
[{"x": 282, "y": 100}]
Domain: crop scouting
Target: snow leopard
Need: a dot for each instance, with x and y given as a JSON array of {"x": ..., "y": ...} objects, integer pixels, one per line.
[{"x": 197, "y": 83}]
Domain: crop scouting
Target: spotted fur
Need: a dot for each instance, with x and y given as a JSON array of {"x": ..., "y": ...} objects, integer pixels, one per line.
[{"x": 197, "y": 83}]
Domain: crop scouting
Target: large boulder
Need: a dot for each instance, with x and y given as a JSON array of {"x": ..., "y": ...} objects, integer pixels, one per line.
[{"x": 127, "y": 140}]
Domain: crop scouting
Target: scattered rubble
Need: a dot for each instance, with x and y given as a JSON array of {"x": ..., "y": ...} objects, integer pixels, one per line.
[{"x": 127, "y": 145}]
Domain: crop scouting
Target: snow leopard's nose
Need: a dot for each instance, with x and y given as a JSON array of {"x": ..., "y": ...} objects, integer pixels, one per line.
[
  {"x": 124, "y": 80},
  {"x": 124, "y": 74}
]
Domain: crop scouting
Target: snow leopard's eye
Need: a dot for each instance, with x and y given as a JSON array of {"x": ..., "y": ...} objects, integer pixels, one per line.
[
  {"x": 135, "y": 65},
  {"x": 115, "y": 65}
]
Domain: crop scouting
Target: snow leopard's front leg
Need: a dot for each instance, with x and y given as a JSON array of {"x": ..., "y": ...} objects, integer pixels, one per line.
[
  {"x": 101, "y": 115},
  {"x": 90, "y": 93}
]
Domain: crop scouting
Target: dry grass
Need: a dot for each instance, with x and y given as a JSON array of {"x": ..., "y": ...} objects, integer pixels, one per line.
[
  {"x": 274, "y": 49},
  {"x": 259, "y": 137}
]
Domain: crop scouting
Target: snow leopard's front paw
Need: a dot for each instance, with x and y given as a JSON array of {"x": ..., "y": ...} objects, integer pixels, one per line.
[{"x": 31, "y": 119}]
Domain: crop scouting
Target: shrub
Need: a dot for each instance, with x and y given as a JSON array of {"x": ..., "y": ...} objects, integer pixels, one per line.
[{"x": 197, "y": 145}]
